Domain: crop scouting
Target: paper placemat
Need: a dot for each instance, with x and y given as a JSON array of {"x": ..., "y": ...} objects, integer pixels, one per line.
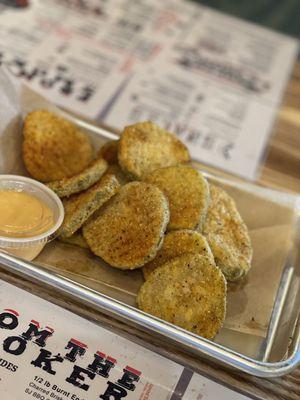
[
  {"x": 214, "y": 80},
  {"x": 50, "y": 353}
]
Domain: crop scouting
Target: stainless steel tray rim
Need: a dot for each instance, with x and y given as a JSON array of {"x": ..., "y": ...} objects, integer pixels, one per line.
[{"x": 192, "y": 341}]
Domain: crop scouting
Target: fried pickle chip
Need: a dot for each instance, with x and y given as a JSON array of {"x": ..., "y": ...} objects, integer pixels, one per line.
[
  {"x": 177, "y": 243},
  {"x": 54, "y": 148},
  {"x": 188, "y": 291},
  {"x": 79, "y": 207},
  {"x": 145, "y": 147},
  {"x": 119, "y": 174},
  {"x": 128, "y": 231},
  {"x": 76, "y": 239},
  {"x": 188, "y": 194},
  {"x": 227, "y": 235},
  {"x": 109, "y": 151},
  {"x": 79, "y": 182}
]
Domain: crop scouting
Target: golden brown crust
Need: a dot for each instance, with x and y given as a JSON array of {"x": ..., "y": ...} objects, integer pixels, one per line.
[
  {"x": 79, "y": 182},
  {"x": 109, "y": 151},
  {"x": 145, "y": 147},
  {"x": 188, "y": 291},
  {"x": 53, "y": 148},
  {"x": 188, "y": 194},
  {"x": 115, "y": 169},
  {"x": 79, "y": 207},
  {"x": 177, "y": 243},
  {"x": 127, "y": 232},
  {"x": 227, "y": 235}
]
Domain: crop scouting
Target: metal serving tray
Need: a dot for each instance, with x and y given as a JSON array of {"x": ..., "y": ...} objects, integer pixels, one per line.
[{"x": 265, "y": 351}]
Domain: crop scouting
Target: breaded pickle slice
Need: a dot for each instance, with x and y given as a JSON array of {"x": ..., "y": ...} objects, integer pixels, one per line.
[
  {"x": 227, "y": 235},
  {"x": 76, "y": 239},
  {"x": 128, "y": 231},
  {"x": 79, "y": 182},
  {"x": 145, "y": 147},
  {"x": 54, "y": 148},
  {"x": 188, "y": 291},
  {"x": 116, "y": 170},
  {"x": 177, "y": 243},
  {"x": 188, "y": 194},
  {"x": 79, "y": 207},
  {"x": 109, "y": 151}
]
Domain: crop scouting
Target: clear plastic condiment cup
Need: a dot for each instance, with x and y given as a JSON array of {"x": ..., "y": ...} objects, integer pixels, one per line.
[{"x": 29, "y": 247}]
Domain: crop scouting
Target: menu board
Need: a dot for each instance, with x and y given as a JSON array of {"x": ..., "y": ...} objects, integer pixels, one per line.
[
  {"x": 48, "y": 353},
  {"x": 214, "y": 80}
]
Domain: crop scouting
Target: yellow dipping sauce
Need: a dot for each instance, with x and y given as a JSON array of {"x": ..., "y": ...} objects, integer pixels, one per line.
[{"x": 23, "y": 215}]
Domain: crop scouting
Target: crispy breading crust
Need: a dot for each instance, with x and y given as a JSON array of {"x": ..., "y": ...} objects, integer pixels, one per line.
[
  {"x": 145, "y": 147},
  {"x": 109, "y": 151},
  {"x": 79, "y": 182},
  {"x": 76, "y": 239},
  {"x": 79, "y": 207},
  {"x": 53, "y": 148},
  {"x": 119, "y": 174},
  {"x": 177, "y": 243},
  {"x": 128, "y": 231},
  {"x": 227, "y": 235},
  {"x": 188, "y": 291},
  {"x": 188, "y": 194}
]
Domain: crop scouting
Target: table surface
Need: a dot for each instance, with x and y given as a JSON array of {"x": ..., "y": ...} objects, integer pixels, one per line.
[
  {"x": 282, "y": 165},
  {"x": 281, "y": 170},
  {"x": 283, "y": 16}
]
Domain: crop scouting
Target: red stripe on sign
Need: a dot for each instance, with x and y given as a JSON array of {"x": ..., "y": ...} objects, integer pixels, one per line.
[
  {"x": 78, "y": 343},
  {"x": 134, "y": 371},
  {"x": 112, "y": 360},
  {"x": 12, "y": 311},
  {"x": 127, "y": 65},
  {"x": 35, "y": 323},
  {"x": 155, "y": 51},
  {"x": 102, "y": 355},
  {"x": 22, "y": 3},
  {"x": 49, "y": 329}
]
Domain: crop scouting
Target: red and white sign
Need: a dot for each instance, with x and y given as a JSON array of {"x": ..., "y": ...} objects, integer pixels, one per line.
[{"x": 48, "y": 353}]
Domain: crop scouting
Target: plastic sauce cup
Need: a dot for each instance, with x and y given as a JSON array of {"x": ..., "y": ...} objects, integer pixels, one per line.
[{"x": 29, "y": 247}]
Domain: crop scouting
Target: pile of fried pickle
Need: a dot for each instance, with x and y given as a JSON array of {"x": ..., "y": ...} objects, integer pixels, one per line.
[{"x": 139, "y": 203}]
